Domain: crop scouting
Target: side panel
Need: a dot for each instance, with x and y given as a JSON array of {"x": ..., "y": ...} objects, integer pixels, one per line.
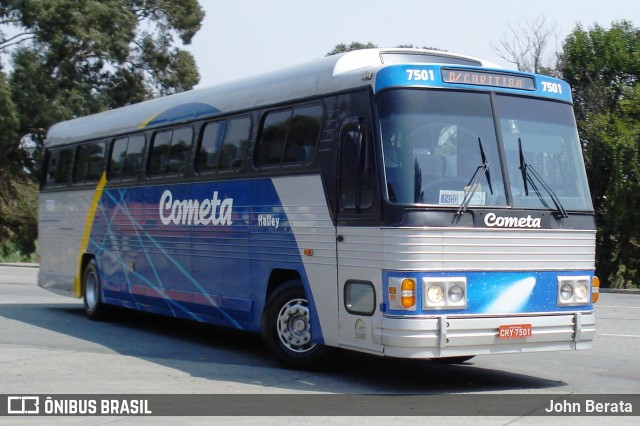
[
  {"x": 61, "y": 225},
  {"x": 359, "y": 255},
  {"x": 205, "y": 251},
  {"x": 305, "y": 206}
]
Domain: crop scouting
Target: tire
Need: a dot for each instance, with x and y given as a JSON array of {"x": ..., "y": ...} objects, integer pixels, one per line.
[
  {"x": 453, "y": 359},
  {"x": 286, "y": 329},
  {"x": 94, "y": 308}
]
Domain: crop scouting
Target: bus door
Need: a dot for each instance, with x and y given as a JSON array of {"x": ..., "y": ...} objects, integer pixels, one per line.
[{"x": 357, "y": 236}]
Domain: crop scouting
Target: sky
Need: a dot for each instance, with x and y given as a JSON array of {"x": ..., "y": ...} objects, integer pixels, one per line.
[{"x": 248, "y": 37}]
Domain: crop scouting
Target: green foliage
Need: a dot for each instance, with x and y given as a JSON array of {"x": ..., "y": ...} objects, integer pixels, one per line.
[
  {"x": 18, "y": 217},
  {"x": 8, "y": 123},
  {"x": 72, "y": 58},
  {"x": 603, "y": 68},
  {"x": 354, "y": 45}
]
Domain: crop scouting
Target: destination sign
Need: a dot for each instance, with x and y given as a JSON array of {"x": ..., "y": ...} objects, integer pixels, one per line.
[{"x": 484, "y": 78}]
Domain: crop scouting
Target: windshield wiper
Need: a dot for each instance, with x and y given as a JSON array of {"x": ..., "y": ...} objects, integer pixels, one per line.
[
  {"x": 472, "y": 186},
  {"x": 527, "y": 171}
]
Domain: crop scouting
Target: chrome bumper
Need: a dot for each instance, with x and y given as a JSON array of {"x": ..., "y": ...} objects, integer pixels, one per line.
[{"x": 457, "y": 336}]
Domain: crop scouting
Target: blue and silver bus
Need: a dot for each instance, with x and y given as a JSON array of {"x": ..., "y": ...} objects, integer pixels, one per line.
[{"x": 399, "y": 202}]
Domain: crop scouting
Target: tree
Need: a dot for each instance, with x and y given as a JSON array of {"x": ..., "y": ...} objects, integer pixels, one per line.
[
  {"x": 526, "y": 46},
  {"x": 354, "y": 45},
  {"x": 603, "y": 68},
  {"x": 78, "y": 57}
]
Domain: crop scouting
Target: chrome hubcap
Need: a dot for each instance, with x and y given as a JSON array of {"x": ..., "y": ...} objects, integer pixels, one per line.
[{"x": 294, "y": 326}]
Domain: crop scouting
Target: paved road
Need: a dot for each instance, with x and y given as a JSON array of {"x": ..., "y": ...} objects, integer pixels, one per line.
[{"x": 48, "y": 347}]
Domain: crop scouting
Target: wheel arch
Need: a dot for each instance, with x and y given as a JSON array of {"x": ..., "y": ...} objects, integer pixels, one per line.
[
  {"x": 84, "y": 261},
  {"x": 279, "y": 277}
]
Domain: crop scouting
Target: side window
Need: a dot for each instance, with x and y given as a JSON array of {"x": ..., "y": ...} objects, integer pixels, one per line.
[
  {"x": 223, "y": 144},
  {"x": 303, "y": 134},
  {"x": 179, "y": 151},
  {"x": 236, "y": 139},
  {"x": 290, "y": 136},
  {"x": 127, "y": 156},
  {"x": 170, "y": 151},
  {"x": 59, "y": 167},
  {"x": 118, "y": 158},
  {"x": 356, "y": 174},
  {"x": 274, "y": 138},
  {"x": 89, "y": 162}
]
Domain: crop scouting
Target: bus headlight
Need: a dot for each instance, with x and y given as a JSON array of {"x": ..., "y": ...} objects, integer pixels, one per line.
[
  {"x": 435, "y": 294},
  {"x": 566, "y": 291},
  {"x": 456, "y": 293},
  {"x": 574, "y": 291},
  {"x": 444, "y": 293}
]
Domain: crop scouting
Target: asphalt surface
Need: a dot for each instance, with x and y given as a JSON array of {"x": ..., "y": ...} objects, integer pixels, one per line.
[{"x": 47, "y": 346}]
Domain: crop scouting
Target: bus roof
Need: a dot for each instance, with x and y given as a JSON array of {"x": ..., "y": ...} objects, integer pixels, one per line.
[{"x": 325, "y": 75}]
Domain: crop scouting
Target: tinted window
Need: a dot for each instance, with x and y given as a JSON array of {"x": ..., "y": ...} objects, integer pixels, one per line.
[
  {"x": 356, "y": 177},
  {"x": 170, "y": 151},
  {"x": 274, "y": 137},
  {"x": 127, "y": 157},
  {"x": 290, "y": 136},
  {"x": 223, "y": 144},
  {"x": 89, "y": 162},
  {"x": 303, "y": 134},
  {"x": 59, "y": 167}
]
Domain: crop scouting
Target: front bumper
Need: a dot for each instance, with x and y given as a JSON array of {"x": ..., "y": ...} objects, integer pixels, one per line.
[{"x": 446, "y": 336}]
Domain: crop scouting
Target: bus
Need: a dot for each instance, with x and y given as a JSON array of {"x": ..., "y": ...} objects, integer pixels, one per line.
[{"x": 399, "y": 202}]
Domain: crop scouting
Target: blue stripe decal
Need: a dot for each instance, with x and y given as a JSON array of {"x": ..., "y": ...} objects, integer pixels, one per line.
[
  {"x": 202, "y": 251},
  {"x": 185, "y": 112},
  {"x": 499, "y": 293}
]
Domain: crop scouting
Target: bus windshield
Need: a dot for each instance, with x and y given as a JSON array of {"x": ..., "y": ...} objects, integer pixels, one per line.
[
  {"x": 543, "y": 136},
  {"x": 442, "y": 148}
]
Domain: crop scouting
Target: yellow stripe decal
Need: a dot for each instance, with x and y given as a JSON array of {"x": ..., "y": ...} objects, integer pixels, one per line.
[
  {"x": 88, "y": 224},
  {"x": 146, "y": 122}
]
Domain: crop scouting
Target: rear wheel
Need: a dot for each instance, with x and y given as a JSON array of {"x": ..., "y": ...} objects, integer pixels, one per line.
[
  {"x": 94, "y": 308},
  {"x": 286, "y": 326}
]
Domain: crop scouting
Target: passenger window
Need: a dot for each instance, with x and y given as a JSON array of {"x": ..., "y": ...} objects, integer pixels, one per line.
[
  {"x": 274, "y": 137},
  {"x": 127, "y": 157},
  {"x": 224, "y": 144},
  {"x": 89, "y": 162},
  {"x": 135, "y": 156},
  {"x": 170, "y": 151},
  {"x": 59, "y": 167},
  {"x": 179, "y": 151},
  {"x": 289, "y": 137},
  {"x": 303, "y": 134}
]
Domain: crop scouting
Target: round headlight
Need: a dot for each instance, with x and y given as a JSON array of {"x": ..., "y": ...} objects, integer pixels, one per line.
[
  {"x": 566, "y": 291},
  {"x": 456, "y": 293},
  {"x": 582, "y": 291},
  {"x": 435, "y": 294}
]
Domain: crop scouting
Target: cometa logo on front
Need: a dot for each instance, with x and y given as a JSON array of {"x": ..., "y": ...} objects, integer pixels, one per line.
[{"x": 492, "y": 220}]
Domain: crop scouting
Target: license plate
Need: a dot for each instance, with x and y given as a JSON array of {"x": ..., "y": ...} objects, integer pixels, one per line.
[{"x": 515, "y": 331}]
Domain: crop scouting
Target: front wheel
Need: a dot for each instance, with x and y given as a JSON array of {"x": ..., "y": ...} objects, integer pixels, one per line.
[
  {"x": 94, "y": 308},
  {"x": 286, "y": 326}
]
